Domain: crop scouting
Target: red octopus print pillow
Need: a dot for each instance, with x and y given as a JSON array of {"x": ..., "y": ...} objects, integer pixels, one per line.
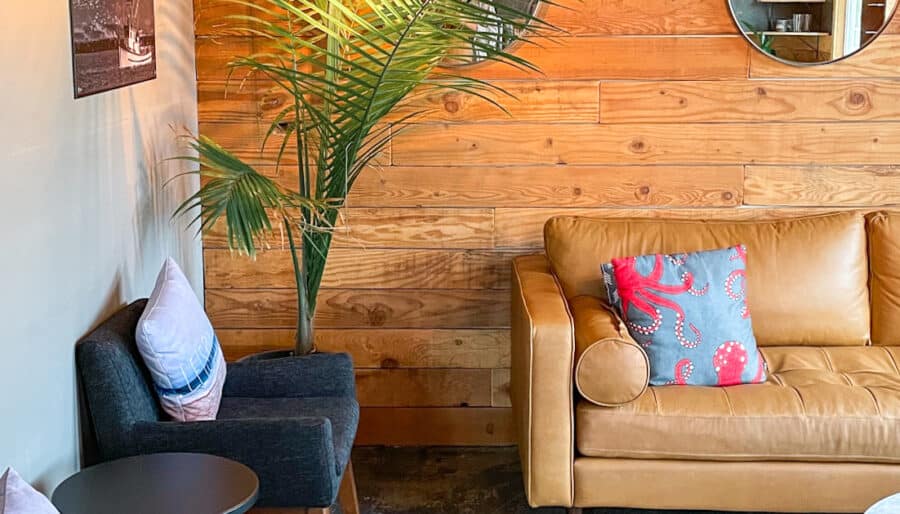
[{"x": 689, "y": 312}]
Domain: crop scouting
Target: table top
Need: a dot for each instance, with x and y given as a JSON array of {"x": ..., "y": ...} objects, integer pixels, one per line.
[
  {"x": 889, "y": 505},
  {"x": 174, "y": 483}
]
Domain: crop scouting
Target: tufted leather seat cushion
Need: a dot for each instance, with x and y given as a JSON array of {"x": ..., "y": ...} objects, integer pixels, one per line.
[{"x": 837, "y": 404}]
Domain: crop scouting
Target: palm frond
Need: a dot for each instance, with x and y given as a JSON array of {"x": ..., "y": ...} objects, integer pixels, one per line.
[
  {"x": 245, "y": 199},
  {"x": 345, "y": 64}
]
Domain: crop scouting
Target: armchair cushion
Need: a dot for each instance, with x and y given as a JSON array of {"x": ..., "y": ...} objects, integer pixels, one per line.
[
  {"x": 293, "y": 457},
  {"x": 318, "y": 374},
  {"x": 341, "y": 411}
]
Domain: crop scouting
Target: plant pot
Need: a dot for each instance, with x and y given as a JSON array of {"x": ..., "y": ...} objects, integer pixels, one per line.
[{"x": 269, "y": 355}]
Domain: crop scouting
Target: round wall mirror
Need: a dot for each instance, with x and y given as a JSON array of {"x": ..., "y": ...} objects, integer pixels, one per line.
[
  {"x": 498, "y": 35},
  {"x": 816, "y": 32}
]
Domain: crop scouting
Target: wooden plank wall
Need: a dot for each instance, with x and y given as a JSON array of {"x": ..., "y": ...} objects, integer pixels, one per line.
[{"x": 653, "y": 108}]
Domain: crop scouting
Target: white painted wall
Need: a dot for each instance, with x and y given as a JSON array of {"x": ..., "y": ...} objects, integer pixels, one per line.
[{"x": 84, "y": 219}]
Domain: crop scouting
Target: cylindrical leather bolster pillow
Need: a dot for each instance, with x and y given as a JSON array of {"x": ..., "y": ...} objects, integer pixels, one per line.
[{"x": 612, "y": 372}]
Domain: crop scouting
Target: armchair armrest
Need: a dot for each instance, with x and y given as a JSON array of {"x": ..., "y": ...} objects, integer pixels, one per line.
[
  {"x": 611, "y": 368},
  {"x": 308, "y": 376},
  {"x": 293, "y": 457},
  {"x": 543, "y": 348}
]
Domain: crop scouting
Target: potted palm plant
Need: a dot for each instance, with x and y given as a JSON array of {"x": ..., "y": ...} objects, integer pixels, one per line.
[{"x": 344, "y": 64}]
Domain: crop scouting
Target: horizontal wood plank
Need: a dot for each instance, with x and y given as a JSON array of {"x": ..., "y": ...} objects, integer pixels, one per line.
[
  {"x": 628, "y": 17},
  {"x": 416, "y": 228},
  {"x": 395, "y": 228},
  {"x": 523, "y": 228},
  {"x": 500, "y": 388},
  {"x": 360, "y": 268},
  {"x": 361, "y": 308},
  {"x": 574, "y": 186},
  {"x": 435, "y": 427},
  {"x": 698, "y": 143},
  {"x": 608, "y": 58},
  {"x": 755, "y": 101},
  {"x": 214, "y": 54},
  {"x": 829, "y": 185},
  {"x": 249, "y": 142},
  {"x": 879, "y": 59},
  {"x": 211, "y": 17},
  {"x": 424, "y": 387},
  {"x": 562, "y": 58},
  {"x": 384, "y": 348},
  {"x": 534, "y": 100},
  {"x": 261, "y": 101}
]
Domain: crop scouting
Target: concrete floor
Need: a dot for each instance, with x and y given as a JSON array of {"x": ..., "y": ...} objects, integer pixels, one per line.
[{"x": 447, "y": 481}]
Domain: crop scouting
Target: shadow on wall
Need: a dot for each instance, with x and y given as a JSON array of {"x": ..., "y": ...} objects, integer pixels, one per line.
[{"x": 148, "y": 187}]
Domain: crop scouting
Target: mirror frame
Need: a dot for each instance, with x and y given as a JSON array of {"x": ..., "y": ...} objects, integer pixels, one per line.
[
  {"x": 798, "y": 64},
  {"x": 540, "y": 9}
]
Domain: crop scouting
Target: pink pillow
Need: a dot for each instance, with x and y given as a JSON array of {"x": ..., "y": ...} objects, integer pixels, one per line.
[{"x": 18, "y": 497}]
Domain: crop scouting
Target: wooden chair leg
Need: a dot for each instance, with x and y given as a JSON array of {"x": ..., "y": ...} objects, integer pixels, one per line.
[{"x": 347, "y": 494}]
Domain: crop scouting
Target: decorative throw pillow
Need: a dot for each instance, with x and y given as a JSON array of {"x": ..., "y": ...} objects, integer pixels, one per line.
[
  {"x": 18, "y": 497},
  {"x": 180, "y": 348},
  {"x": 689, "y": 312}
]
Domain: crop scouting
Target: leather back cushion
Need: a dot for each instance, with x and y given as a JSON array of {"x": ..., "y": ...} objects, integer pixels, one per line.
[
  {"x": 884, "y": 251},
  {"x": 807, "y": 278}
]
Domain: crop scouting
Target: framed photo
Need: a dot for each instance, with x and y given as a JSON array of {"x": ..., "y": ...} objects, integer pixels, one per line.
[{"x": 113, "y": 44}]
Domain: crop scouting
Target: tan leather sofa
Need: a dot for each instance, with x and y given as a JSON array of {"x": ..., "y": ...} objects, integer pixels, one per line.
[{"x": 821, "y": 435}]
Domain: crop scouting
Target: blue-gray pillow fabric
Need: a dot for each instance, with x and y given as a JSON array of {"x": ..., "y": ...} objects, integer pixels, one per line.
[{"x": 689, "y": 312}]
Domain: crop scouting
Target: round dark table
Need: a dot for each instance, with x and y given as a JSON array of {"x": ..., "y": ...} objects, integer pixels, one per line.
[{"x": 171, "y": 483}]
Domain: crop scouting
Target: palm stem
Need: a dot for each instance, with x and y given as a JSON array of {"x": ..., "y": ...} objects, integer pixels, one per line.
[{"x": 304, "y": 341}]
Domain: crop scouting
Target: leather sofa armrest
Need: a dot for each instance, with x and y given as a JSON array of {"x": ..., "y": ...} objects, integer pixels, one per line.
[
  {"x": 611, "y": 368},
  {"x": 543, "y": 350}
]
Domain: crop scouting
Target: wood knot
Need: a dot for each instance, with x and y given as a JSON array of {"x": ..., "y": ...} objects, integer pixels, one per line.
[
  {"x": 644, "y": 190},
  {"x": 377, "y": 317},
  {"x": 577, "y": 191},
  {"x": 857, "y": 98},
  {"x": 451, "y": 106},
  {"x": 270, "y": 101},
  {"x": 761, "y": 91},
  {"x": 390, "y": 363},
  {"x": 637, "y": 146},
  {"x": 727, "y": 195}
]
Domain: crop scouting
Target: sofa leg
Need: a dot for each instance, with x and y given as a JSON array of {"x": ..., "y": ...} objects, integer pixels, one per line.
[{"x": 347, "y": 494}]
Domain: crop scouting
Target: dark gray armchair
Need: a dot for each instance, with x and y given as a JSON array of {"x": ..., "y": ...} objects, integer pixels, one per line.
[{"x": 292, "y": 420}]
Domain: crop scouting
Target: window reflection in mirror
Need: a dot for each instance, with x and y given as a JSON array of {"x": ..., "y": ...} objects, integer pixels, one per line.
[
  {"x": 499, "y": 35},
  {"x": 811, "y": 32}
]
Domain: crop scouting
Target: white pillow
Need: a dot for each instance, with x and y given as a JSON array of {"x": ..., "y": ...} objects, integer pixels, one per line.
[
  {"x": 180, "y": 348},
  {"x": 17, "y": 497}
]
